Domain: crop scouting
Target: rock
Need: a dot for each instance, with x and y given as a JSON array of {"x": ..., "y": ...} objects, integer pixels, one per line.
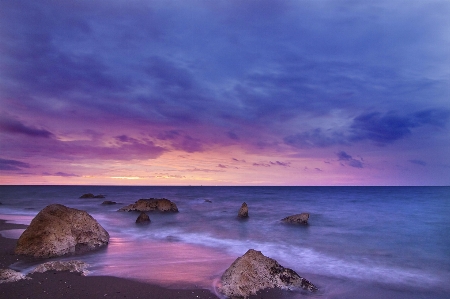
[
  {"x": 58, "y": 230},
  {"x": 151, "y": 204},
  {"x": 8, "y": 275},
  {"x": 109, "y": 202},
  {"x": 254, "y": 272},
  {"x": 297, "y": 219},
  {"x": 143, "y": 218},
  {"x": 90, "y": 195},
  {"x": 243, "y": 211},
  {"x": 206, "y": 200},
  {"x": 72, "y": 266},
  {"x": 87, "y": 195}
]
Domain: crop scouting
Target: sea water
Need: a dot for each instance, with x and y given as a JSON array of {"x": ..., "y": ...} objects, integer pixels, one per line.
[{"x": 361, "y": 242}]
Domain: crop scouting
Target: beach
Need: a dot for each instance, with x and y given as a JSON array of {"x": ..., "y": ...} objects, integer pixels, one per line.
[
  {"x": 65, "y": 284},
  {"x": 361, "y": 242},
  {"x": 53, "y": 284}
]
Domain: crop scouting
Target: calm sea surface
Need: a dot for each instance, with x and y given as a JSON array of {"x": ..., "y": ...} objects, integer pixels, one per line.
[{"x": 362, "y": 242}]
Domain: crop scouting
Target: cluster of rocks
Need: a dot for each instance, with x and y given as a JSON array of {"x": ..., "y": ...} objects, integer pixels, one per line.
[
  {"x": 294, "y": 219},
  {"x": 58, "y": 230}
]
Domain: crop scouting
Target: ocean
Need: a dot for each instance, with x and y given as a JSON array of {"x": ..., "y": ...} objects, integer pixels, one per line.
[{"x": 361, "y": 242}]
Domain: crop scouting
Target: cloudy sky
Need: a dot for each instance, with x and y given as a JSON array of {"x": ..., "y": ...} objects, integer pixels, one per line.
[{"x": 225, "y": 92}]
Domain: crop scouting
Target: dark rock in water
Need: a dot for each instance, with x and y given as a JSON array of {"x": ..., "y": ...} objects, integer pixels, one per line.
[
  {"x": 109, "y": 202},
  {"x": 254, "y": 272},
  {"x": 90, "y": 195},
  {"x": 297, "y": 219},
  {"x": 206, "y": 200},
  {"x": 143, "y": 218},
  {"x": 58, "y": 230},
  {"x": 243, "y": 211},
  {"x": 151, "y": 204}
]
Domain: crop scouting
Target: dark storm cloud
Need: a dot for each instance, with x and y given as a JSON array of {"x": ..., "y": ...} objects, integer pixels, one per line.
[
  {"x": 380, "y": 128},
  {"x": 6, "y": 164},
  {"x": 349, "y": 160},
  {"x": 384, "y": 129},
  {"x": 16, "y": 127}
]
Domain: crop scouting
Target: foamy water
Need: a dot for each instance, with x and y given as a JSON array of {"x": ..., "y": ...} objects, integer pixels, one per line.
[{"x": 360, "y": 240}]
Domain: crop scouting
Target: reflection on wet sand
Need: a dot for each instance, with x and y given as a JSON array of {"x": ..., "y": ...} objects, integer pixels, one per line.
[{"x": 165, "y": 262}]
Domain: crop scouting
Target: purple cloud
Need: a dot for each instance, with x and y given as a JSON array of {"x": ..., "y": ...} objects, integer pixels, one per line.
[
  {"x": 343, "y": 156},
  {"x": 6, "y": 164},
  {"x": 16, "y": 127}
]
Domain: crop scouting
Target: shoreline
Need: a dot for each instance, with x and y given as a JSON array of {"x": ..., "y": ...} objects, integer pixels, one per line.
[{"x": 64, "y": 284}]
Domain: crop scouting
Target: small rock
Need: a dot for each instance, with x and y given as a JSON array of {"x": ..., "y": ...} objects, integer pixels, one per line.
[
  {"x": 243, "y": 211},
  {"x": 297, "y": 219},
  {"x": 90, "y": 195},
  {"x": 143, "y": 218},
  {"x": 206, "y": 200},
  {"x": 253, "y": 272},
  {"x": 109, "y": 202},
  {"x": 8, "y": 275},
  {"x": 72, "y": 266}
]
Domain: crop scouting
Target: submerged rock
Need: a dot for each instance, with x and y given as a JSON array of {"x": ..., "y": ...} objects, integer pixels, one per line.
[
  {"x": 109, "y": 202},
  {"x": 297, "y": 219},
  {"x": 8, "y": 275},
  {"x": 254, "y": 272},
  {"x": 58, "y": 230},
  {"x": 143, "y": 218},
  {"x": 90, "y": 195},
  {"x": 151, "y": 204},
  {"x": 71, "y": 266},
  {"x": 243, "y": 211}
]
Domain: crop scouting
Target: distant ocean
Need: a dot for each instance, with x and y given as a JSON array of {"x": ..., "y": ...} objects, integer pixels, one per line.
[{"x": 361, "y": 242}]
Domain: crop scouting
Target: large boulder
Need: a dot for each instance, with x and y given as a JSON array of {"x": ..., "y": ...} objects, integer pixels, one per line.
[
  {"x": 297, "y": 219},
  {"x": 243, "y": 211},
  {"x": 58, "y": 230},
  {"x": 253, "y": 272},
  {"x": 151, "y": 204}
]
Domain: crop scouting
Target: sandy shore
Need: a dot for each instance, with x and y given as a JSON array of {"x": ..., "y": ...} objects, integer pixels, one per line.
[{"x": 64, "y": 285}]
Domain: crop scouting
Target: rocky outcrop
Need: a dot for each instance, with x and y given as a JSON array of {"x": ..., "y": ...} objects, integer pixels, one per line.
[
  {"x": 243, "y": 211},
  {"x": 71, "y": 266},
  {"x": 254, "y": 272},
  {"x": 143, "y": 219},
  {"x": 8, "y": 275},
  {"x": 297, "y": 219},
  {"x": 90, "y": 195},
  {"x": 58, "y": 230},
  {"x": 109, "y": 202},
  {"x": 151, "y": 204}
]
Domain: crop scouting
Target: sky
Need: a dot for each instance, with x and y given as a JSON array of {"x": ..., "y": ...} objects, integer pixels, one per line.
[{"x": 225, "y": 92}]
